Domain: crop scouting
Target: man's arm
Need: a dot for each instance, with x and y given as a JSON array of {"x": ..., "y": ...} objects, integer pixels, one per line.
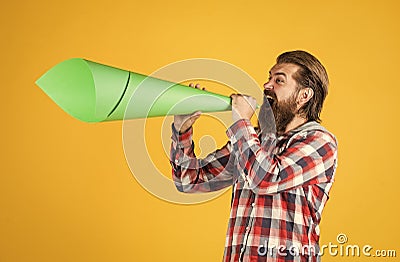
[
  {"x": 193, "y": 175},
  {"x": 310, "y": 158}
]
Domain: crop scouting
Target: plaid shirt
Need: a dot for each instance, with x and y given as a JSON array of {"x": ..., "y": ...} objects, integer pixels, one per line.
[{"x": 280, "y": 187}]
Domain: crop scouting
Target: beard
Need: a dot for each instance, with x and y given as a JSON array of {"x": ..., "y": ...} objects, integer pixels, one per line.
[{"x": 283, "y": 112}]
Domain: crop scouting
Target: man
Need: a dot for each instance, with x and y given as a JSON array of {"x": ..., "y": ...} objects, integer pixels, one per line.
[{"x": 281, "y": 176}]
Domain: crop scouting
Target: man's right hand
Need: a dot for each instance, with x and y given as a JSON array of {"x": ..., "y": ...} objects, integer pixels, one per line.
[{"x": 182, "y": 123}]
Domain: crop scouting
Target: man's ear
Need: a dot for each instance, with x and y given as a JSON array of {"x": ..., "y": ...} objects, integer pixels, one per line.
[{"x": 304, "y": 96}]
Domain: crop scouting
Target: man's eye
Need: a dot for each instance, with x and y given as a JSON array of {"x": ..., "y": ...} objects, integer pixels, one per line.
[{"x": 279, "y": 81}]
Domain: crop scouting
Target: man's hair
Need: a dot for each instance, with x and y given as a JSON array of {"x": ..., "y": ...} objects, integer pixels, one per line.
[{"x": 311, "y": 74}]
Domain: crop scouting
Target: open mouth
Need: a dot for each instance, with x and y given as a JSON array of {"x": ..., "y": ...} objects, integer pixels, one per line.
[{"x": 270, "y": 99}]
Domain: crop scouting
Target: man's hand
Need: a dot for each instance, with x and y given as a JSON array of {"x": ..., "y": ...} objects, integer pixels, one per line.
[
  {"x": 243, "y": 107},
  {"x": 182, "y": 123}
]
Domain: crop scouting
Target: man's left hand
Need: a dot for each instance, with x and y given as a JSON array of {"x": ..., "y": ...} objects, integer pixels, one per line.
[{"x": 243, "y": 107}]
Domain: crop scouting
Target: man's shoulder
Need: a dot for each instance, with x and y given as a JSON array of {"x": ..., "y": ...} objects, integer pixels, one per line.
[{"x": 315, "y": 129}]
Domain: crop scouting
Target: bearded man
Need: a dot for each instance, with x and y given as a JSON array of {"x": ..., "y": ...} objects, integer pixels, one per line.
[{"x": 281, "y": 173}]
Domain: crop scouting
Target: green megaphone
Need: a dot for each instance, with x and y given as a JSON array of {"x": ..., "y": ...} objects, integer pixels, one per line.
[{"x": 94, "y": 92}]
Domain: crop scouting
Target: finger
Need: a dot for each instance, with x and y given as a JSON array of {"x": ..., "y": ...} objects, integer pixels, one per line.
[
  {"x": 194, "y": 118},
  {"x": 237, "y": 96},
  {"x": 197, "y": 85},
  {"x": 191, "y": 84},
  {"x": 231, "y": 96},
  {"x": 233, "y": 99},
  {"x": 203, "y": 88},
  {"x": 196, "y": 114}
]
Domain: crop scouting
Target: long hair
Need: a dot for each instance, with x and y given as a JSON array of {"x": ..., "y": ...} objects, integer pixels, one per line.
[{"x": 311, "y": 74}]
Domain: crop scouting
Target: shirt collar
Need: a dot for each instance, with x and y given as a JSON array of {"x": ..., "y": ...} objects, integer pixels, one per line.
[{"x": 311, "y": 125}]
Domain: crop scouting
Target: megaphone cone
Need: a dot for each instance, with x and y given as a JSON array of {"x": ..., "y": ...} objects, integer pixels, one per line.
[{"x": 93, "y": 92}]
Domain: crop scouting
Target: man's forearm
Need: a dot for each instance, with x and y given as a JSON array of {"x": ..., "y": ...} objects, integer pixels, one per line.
[{"x": 190, "y": 174}]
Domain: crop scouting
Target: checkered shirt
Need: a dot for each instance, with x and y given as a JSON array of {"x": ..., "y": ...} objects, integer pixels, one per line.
[{"x": 280, "y": 187}]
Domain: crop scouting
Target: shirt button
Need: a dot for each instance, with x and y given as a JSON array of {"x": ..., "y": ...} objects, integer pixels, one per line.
[
  {"x": 247, "y": 228},
  {"x": 242, "y": 250},
  {"x": 176, "y": 161},
  {"x": 253, "y": 204}
]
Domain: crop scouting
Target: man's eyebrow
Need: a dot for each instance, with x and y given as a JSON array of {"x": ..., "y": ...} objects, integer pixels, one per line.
[{"x": 278, "y": 73}]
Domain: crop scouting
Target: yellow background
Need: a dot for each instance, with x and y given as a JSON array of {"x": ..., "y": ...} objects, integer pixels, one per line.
[{"x": 66, "y": 192}]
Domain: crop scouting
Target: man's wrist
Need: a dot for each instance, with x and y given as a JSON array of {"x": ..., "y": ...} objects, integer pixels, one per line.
[
  {"x": 180, "y": 132},
  {"x": 182, "y": 140}
]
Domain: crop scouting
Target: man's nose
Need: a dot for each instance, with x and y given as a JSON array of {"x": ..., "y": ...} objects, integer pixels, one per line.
[{"x": 268, "y": 86}]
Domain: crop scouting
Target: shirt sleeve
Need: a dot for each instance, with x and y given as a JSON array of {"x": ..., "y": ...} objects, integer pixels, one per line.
[
  {"x": 309, "y": 158},
  {"x": 191, "y": 174}
]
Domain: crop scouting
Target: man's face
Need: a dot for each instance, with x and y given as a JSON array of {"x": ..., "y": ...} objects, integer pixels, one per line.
[{"x": 281, "y": 92}]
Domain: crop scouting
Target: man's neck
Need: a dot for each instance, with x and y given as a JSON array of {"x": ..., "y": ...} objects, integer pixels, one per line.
[{"x": 296, "y": 122}]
